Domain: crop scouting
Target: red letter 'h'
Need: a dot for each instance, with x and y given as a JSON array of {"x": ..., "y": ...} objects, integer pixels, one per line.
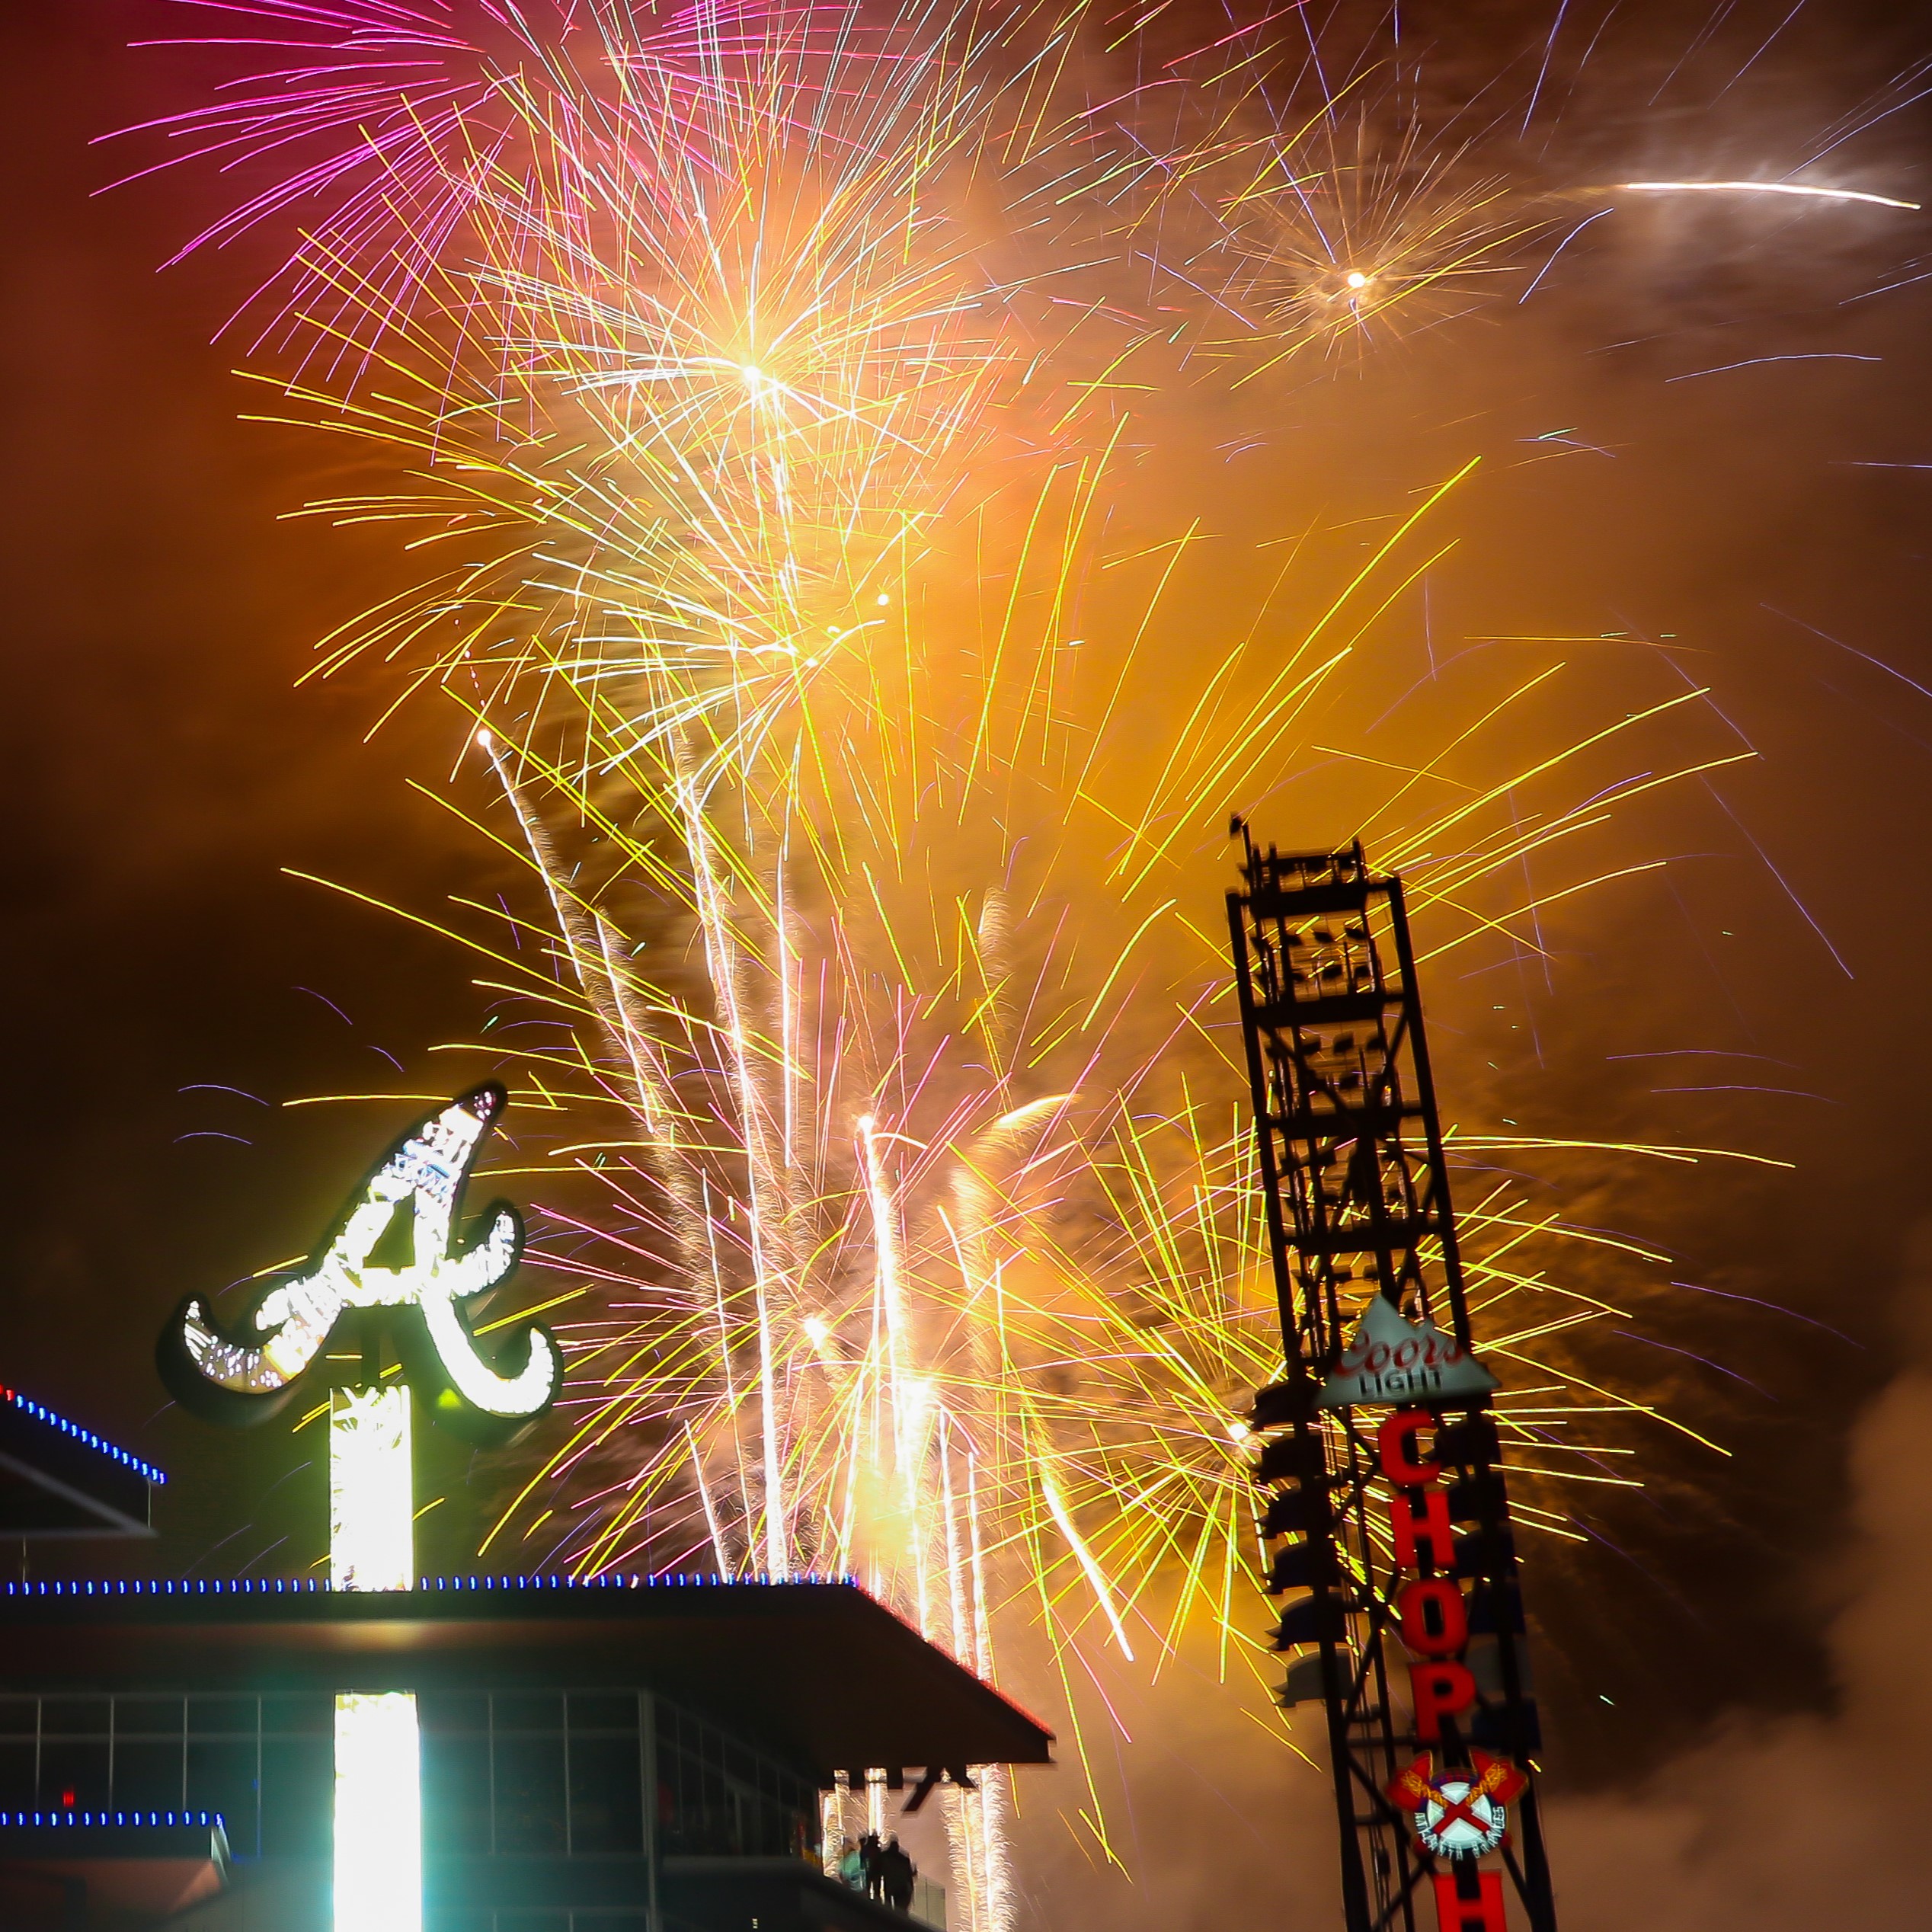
[
  {"x": 1483, "y": 1913},
  {"x": 1432, "y": 1526}
]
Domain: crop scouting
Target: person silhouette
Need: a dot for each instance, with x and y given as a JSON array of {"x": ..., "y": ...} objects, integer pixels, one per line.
[{"x": 897, "y": 1873}]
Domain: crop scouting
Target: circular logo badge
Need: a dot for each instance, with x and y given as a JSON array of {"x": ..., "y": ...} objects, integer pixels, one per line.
[{"x": 1459, "y": 1819}]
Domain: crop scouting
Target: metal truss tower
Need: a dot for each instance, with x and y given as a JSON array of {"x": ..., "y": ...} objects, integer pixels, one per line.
[{"x": 1381, "y": 1460}]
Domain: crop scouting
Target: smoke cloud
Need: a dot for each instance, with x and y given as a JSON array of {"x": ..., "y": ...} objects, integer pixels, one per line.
[
  {"x": 1764, "y": 1823},
  {"x": 1788, "y": 1822}
]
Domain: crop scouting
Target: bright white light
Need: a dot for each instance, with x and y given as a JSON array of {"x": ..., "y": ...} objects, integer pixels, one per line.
[
  {"x": 1356, "y": 279},
  {"x": 1760, "y": 187},
  {"x": 379, "y": 1831},
  {"x": 371, "y": 1493}
]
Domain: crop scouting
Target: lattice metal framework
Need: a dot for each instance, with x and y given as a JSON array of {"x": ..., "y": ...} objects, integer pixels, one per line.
[{"x": 1358, "y": 1201}]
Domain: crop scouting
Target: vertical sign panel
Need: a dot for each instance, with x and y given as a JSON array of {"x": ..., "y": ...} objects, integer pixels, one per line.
[{"x": 379, "y": 1827}]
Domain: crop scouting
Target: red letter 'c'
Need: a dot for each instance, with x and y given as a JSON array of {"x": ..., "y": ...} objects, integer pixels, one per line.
[{"x": 1392, "y": 1442}]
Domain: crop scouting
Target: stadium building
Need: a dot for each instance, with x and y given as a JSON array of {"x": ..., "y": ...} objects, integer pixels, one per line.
[{"x": 622, "y": 1754}]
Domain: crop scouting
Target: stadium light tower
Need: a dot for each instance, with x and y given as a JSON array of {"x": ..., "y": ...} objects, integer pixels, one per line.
[
  {"x": 1381, "y": 1458},
  {"x": 397, "y": 1296}
]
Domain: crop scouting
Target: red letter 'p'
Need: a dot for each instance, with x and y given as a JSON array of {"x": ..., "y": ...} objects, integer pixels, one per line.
[{"x": 1440, "y": 1690}]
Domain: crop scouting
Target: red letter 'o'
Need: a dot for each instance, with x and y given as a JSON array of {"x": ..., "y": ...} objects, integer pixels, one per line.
[{"x": 1450, "y": 1616}]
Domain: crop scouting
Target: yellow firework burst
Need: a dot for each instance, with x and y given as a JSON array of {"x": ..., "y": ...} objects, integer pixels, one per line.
[{"x": 865, "y": 717}]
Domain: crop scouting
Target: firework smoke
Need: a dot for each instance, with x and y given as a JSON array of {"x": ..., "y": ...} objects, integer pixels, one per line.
[{"x": 786, "y": 413}]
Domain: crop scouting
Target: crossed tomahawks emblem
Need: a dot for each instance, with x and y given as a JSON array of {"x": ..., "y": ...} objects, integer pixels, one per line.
[
  {"x": 395, "y": 1250},
  {"x": 1458, "y": 1814}
]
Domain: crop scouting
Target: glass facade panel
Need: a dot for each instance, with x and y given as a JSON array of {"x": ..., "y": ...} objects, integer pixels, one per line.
[
  {"x": 19, "y": 1771},
  {"x": 606, "y": 1792},
  {"x": 529, "y": 1799},
  {"x": 603, "y": 1711},
  {"x": 311, "y": 1716},
  {"x": 296, "y": 1791},
  {"x": 718, "y": 1799},
  {"x": 76, "y": 1717},
  {"x": 147, "y": 1717},
  {"x": 461, "y": 1713},
  {"x": 456, "y": 1792},
  {"x": 298, "y": 1796},
  {"x": 149, "y": 1774},
  {"x": 75, "y": 1773},
  {"x": 528, "y": 1710},
  {"x": 220, "y": 1717},
  {"x": 223, "y": 1774}
]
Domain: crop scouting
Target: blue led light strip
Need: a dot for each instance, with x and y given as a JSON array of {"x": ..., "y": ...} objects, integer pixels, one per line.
[
  {"x": 79, "y": 1820},
  {"x": 42, "y": 1413},
  {"x": 276, "y": 1586}
]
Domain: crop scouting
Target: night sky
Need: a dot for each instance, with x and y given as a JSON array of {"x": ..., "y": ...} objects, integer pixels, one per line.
[
  {"x": 170, "y": 988},
  {"x": 166, "y": 771}
]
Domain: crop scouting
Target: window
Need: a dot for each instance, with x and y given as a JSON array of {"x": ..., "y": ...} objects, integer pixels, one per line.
[
  {"x": 718, "y": 1799},
  {"x": 595, "y": 1920},
  {"x": 605, "y": 1774},
  {"x": 525, "y": 1774},
  {"x": 511, "y": 1773},
  {"x": 266, "y": 1765},
  {"x": 532, "y": 1774}
]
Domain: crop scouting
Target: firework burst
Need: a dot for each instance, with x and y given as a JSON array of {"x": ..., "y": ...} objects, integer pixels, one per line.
[{"x": 780, "y": 521}]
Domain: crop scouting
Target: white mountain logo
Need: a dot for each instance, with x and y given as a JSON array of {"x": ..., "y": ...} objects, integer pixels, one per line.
[{"x": 1390, "y": 1360}]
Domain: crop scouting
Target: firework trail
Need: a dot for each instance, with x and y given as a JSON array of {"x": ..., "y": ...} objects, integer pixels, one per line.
[{"x": 763, "y": 397}]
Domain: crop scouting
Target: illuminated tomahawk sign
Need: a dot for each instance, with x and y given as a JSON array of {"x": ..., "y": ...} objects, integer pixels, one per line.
[{"x": 392, "y": 1260}]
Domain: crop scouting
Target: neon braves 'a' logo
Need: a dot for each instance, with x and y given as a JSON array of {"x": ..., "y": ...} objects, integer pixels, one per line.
[{"x": 394, "y": 1249}]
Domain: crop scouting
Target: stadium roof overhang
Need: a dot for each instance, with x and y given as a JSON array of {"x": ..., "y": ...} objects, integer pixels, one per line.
[
  {"x": 819, "y": 1669},
  {"x": 59, "y": 1479}
]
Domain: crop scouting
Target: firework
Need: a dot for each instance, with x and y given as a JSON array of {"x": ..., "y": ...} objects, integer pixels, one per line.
[
  {"x": 1798, "y": 188},
  {"x": 866, "y": 723}
]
